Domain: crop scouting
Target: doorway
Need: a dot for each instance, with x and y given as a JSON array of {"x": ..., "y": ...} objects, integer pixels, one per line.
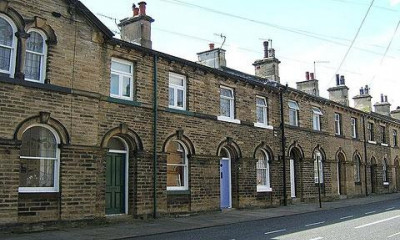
[
  {"x": 341, "y": 174},
  {"x": 225, "y": 180}
]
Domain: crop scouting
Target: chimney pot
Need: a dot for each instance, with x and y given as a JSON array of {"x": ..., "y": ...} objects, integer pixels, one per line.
[
  {"x": 211, "y": 45},
  {"x": 366, "y": 90},
  {"x": 361, "y": 91},
  {"x": 135, "y": 10},
  {"x": 342, "y": 80},
  {"x": 265, "y": 43},
  {"x": 386, "y": 98},
  {"x": 142, "y": 8},
  {"x": 382, "y": 98},
  {"x": 307, "y": 76},
  {"x": 337, "y": 80},
  {"x": 312, "y": 76}
]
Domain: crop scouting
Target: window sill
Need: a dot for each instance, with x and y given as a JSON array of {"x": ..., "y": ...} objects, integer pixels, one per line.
[
  {"x": 385, "y": 183},
  {"x": 178, "y": 192},
  {"x": 261, "y": 125},
  {"x": 123, "y": 101},
  {"x": 384, "y": 144},
  {"x": 264, "y": 190},
  {"x": 37, "y": 190},
  {"x": 357, "y": 183},
  {"x": 177, "y": 108},
  {"x": 226, "y": 119},
  {"x": 372, "y": 142}
]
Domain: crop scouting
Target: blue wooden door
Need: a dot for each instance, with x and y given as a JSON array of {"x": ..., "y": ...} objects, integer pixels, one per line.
[{"x": 225, "y": 181}]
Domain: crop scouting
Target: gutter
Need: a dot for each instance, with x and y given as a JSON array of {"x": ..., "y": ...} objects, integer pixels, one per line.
[{"x": 155, "y": 120}]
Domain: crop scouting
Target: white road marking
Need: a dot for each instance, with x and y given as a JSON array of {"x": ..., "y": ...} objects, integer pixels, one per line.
[
  {"x": 388, "y": 209},
  {"x": 369, "y": 212},
  {"x": 318, "y": 238},
  {"x": 276, "y": 231},
  {"x": 313, "y": 224},
  {"x": 380, "y": 221},
  {"x": 346, "y": 217},
  {"x": 394, "y": 235}
]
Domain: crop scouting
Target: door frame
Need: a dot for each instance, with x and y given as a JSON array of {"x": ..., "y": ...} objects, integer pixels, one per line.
[
  {"x": 292, "y": 169},
  {"x": 126, "y": 174},
  {"x": 230, "y": 179}
]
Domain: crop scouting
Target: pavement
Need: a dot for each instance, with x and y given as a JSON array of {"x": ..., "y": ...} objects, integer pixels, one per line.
[{"x": 137, "y": 228}]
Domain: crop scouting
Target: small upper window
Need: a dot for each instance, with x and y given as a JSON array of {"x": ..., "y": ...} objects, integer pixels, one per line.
[
  {"x": 35, "y": 59},
  {"x": 338, "y": 124},
  {"x": 383, "y": 134},
  {"x": 121, "y": 85},
  {"x": 353, "y": 127},
  {"x": 293, "y": 113},
  {"x": 261, "y": 110},
  {"x": 177, "y": 91},
  {"x": 316, "y": 117},
  {"x": 8, "y": 44},
  {"x": 227, "y": 104},
  {"x": 370, "y": 128}
]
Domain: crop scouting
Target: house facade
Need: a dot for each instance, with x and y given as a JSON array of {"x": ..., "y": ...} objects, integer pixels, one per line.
[{"x": 92, "y": 125}]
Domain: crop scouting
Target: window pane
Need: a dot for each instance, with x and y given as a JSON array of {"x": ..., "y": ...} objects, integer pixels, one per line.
[
  {"x": 116, "y": 144},
  {"x": 180, "y": 98},
  {"x": 114, "y": 84},
  {"x": 225, "y": 107},
  {"x": 6, "y": 33},
  {"x": 175, "y": 176},
  {"x": 260, "y": 115},
  {"x": 292, "y": 117},
  {"x": 126, "y": 86},
  {"x": 121, "y": 67},
  {"x": 176, "y": 81},
  {"x": 5, "y": 55},
  {"x": 32, "y": 66},
  {"x": 36, "y": 173},
  {"x": 293, "y": 105},
  {"x": 35, "y": 42},
  {"x": 261, "y": 177},
  {"x": 261, "y": 101},
  {"x": 38, "y": 142},
  {"x": 226, "y": 92},
  {"x": 176, "y": 153},
  {"x": 171, "y": 97}
]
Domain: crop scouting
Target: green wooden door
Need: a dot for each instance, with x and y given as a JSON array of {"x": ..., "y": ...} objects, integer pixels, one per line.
[{"x": 115, "y": 183}]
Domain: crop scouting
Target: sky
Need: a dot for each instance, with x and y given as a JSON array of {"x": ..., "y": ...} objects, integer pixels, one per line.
[{"x": 302, "y": 32}]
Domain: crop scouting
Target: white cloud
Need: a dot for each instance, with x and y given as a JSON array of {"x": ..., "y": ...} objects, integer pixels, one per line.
[{"x": 394, "y": 2}]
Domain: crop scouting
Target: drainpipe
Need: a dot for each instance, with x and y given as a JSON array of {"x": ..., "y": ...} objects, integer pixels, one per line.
[
  {"x": 155, "y": 114},
  {"x": 365, "y": 157},
  {"x": 283, "y": 143}
]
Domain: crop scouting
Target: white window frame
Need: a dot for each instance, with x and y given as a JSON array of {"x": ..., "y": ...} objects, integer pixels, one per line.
[
  {"x": 13, "y": 47},
  {"x": 175, "y": 91},
  {"x": 318, "y": 162},
  {"x": 267, "y": 186},
  {"x": 185, "y": 170},
  {"x": 43, "y": 56},
  {"x": 55, "y": 188},
  {"x": 120, "y": 75},
  {"x": 371, "y": 134},
  {"x": 354, "y": 127},
  {"x": 316, "y": 118},
  {"x": 231, "y": 117},
  {"x": 338, "y": 124},
  {"x": 294, "y": 109},
  {"x": 383, "y": 136},
  {"x": 264, "y": 108}
]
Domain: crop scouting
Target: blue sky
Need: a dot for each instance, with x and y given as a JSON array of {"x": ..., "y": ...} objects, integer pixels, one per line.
[{"x": 303, "y": 31}]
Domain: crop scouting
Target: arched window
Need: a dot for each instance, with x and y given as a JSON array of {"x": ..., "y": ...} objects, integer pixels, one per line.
[
  {"x": 318, "y": 167},
  {"x": 35, "y": 59},
  {"x": 40, "y": 157},
  {"x": 263, "y": 176},
  {"x": 357, "y": 171},
  {"x": 8, "y": 43},
  {"x": 177, "y": 166},
  {"x": 385, "y": 171}
]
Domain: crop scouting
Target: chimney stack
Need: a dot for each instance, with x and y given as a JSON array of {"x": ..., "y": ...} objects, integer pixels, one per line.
[
  {"x": 310, "y": 85},
  {"x": 339, "y": 93},
  {"x": 383, "y": 107},
  {"x": 268, "y": 67},
  {"x": 214, "y": 57},
  {"x": 363, "y": 101},
  {"x": 137, "y": 29},
  {"x": 395, "y": 113}
]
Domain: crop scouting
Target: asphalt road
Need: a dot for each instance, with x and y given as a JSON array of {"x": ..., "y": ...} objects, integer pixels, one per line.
[{"x": 372, "y": 221}]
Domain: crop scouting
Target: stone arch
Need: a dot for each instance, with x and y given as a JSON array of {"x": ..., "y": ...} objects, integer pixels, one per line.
[
  {"x": 321, "y": 150},
  {"x": 43, "y": 118},
  {"x": 340, "y": 153},
  {"x": 179, "y": 136},
  {"x": 14, "y": 15},
  {"x": 122, "y": 131},
  {"x": 357, "y": 154},
  {"x": 231, "y": 146},
  {"x": 41, "y": 23},
  {"x": 296, "y": 149},
  {"x": 263, "y": 146}
]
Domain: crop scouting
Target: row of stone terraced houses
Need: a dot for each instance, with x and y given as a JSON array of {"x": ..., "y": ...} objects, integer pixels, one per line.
[{"x": 93, "y": 126}]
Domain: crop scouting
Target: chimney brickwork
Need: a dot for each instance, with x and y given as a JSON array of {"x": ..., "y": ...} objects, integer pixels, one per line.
[
  {"x": 363, "y": 101},
  {"x": 339, "y": 93},
  {"x": 383, "y": 107},
  {"x": 137, "y": 29},
  {"x": 214, "y": 57},
  {"x": 310, "y": 85},
  {"x": 268, "y": 67}
]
